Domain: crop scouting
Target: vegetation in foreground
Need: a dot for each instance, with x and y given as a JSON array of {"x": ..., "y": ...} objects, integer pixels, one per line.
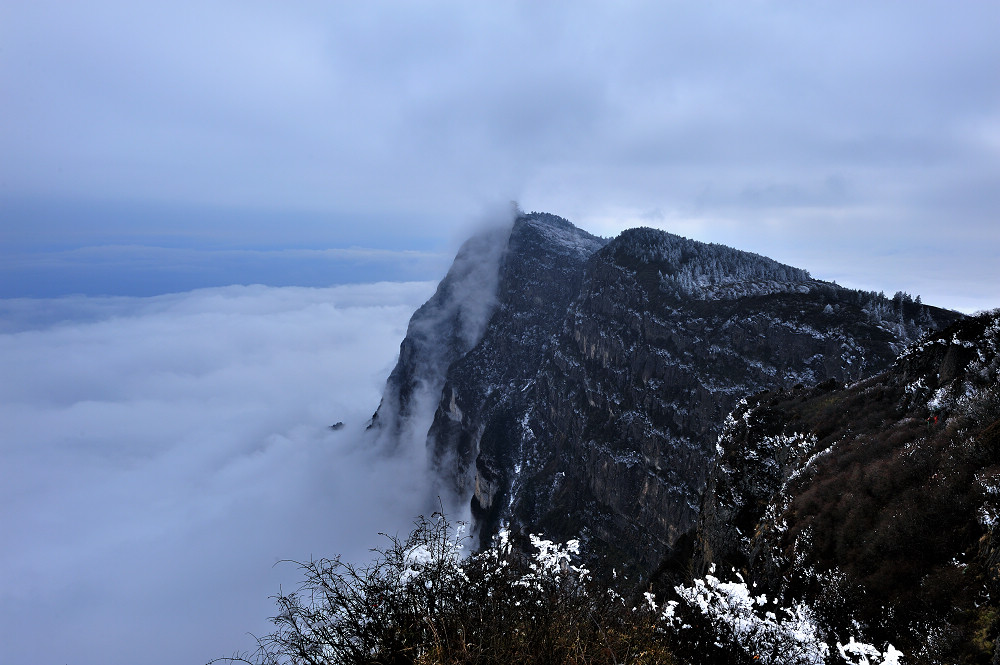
[{"x": 422, "y": 600}]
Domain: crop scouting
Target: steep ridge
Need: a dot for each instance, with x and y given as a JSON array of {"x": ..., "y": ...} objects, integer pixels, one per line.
[
  {"x": 539, "y": 276},
  {"x": 877, "y": 504},
  {"x": 666, "y": 336},
  {"x": 592, "y": 401},
  {"x": 441, "y": 331}
]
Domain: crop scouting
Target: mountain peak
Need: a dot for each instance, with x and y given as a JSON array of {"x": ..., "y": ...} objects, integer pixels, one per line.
[
  {"x": 557, "y": 233},
  {"x": 592, "y": 398},
  {"x": 703, "y": 270}
]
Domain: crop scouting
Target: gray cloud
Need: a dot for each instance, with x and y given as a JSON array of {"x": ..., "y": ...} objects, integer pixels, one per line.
[
  {"x": 722, "y": 115},
  {"x": 159, "y": 455}
]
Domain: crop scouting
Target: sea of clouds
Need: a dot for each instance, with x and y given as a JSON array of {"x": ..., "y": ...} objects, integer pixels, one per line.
[{"x": 159, "y": 456}]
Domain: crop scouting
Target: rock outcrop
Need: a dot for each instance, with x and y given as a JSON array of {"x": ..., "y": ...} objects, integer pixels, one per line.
[
  {"x": 591, "y": 402},
  {"x": 876, "y": 503}
]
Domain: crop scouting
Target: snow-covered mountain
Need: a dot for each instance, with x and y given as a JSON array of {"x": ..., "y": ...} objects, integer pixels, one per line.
[{"x": 577, "y": 386}]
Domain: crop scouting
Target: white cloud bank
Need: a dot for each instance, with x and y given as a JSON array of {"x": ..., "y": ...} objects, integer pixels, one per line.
[{"x": 159, "y": 455}]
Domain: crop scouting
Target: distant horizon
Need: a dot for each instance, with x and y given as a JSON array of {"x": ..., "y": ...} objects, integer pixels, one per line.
[{"x": 95, "y": 249}]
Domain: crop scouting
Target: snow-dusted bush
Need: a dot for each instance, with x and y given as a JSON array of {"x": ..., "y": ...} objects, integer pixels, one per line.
[
  {"x": 730, "y": 617},
  {"x": 423, "y": 600},
  {"x": 715, "y": 619},
  {"x": 858, "y": 653}
]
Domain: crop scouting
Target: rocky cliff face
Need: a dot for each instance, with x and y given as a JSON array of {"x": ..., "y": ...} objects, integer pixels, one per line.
[
  {"x": 485, "y": 392},
  {"x": 592, "y": 400},
  {"x": 877, "y": 503}
]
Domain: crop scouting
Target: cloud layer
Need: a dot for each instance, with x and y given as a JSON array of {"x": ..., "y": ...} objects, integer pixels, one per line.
[
  {"x": 666, "y": 105},
  {"x": 159, "y": 455},
  {"x": 835, "y": 137}
]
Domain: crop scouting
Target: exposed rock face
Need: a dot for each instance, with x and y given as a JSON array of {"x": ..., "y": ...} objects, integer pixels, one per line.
[
  {"x": 876, "y": 503},
  {"x": 594, "y": 397},
  {"x": 485, "y": 390}
]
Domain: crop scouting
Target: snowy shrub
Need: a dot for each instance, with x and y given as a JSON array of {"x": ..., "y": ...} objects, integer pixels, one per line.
[
  {"x": 718, "y": 621},
  {"x": 858, "y": 653},
  {"x": 421, "y": 600},
  {"x": 731, "y": 618}
]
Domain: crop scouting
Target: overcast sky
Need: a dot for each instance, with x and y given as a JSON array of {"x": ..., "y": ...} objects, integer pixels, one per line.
[
  {"x": 860, "y": 141},
  {"x": 158, "y": 453}
]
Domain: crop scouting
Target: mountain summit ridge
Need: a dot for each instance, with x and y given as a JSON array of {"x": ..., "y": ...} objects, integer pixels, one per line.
[
  {"x": 707, "y": 271},
  {"x": 591, "y": 401}
]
